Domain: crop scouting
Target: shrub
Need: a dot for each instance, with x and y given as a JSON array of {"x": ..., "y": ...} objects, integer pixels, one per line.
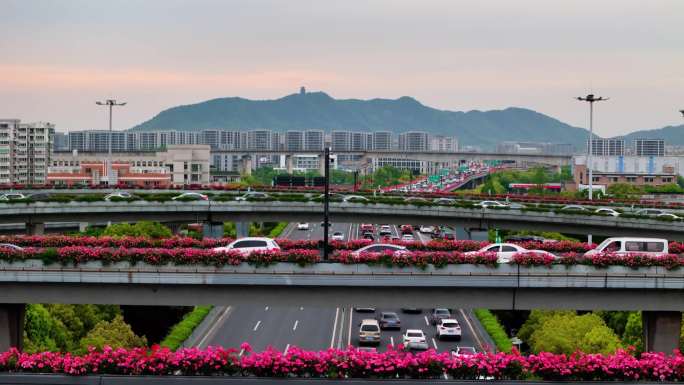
[
  {"x": 494, "y": 329},
  {"x": 182, "y": 330}
]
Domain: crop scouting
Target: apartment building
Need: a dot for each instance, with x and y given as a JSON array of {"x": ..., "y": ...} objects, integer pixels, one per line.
[
  {"x": 382, "y": 140},
  {"x": 413, "y": 141},
  {"x": 25, "y": 151},
  {"x": 607, "y": 147},
  {"x": 649, "y": 147},
  {"x": 314, "y": 140}
]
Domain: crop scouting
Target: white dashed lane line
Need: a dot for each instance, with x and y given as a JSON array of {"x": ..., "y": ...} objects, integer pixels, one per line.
[
  {"x": 257, "y": 325},
  {"x": 295, "y": 325}
]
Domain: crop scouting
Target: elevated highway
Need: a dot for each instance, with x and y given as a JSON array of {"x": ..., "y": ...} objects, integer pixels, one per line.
[{"x": 38, "y": 213}]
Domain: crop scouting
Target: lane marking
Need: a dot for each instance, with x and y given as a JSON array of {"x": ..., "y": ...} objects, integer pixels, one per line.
[
  {"x": 426, "y": 321},
  {"x": 445, "y": 376},
  {"x": 351, "y": 312},
  {"x": 434, "y": 343},
  {"x": 212, "y": 330},
  {"x": 286, "y": 349},
  {"x": 349, "y": 233},
  {"x": 340, "y": 335},
  {"x": 242, "y": 351},
  {"x": 332, "y": 340},
  {"x": 472, "y": 330},
  {"x": 257, "y": 325},
  {"x": 301, "y": 308},
  {"x": 295, "y": 325},
  {"x": 392, "y": 340},
  {"x": 266, "y": 308}
]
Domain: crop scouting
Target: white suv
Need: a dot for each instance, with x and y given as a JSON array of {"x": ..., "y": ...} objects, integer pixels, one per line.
[
  {"x": 250, "y": 244},
  {"x": 415, "y": 339},
  {"x": 448, "y": 328}
]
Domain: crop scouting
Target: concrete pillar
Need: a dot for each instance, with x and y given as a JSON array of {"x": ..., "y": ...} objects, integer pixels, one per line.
[
  {"x": 82, "y": 226},
  {"x": 321, "y": 165},
  {"x": 242, "y": 229},
  {"x": 174, "y": 226},
  {"x": 289, "y": 164},
  {"x": 661, "y": 330},
  {"x": 213, "y": 230},
  {"x": 246, "y": 165},
  {"x": 35, "y": 228},
  {"x": 12, "y": 326}
]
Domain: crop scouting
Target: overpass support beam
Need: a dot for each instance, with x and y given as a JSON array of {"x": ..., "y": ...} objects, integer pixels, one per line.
[
  {"x": 175, "y": 227},
  {"x": 661, "y": 330},
  {"x": 246, "y": 165},
  {"x": 213, "y": 230},
  {"x": 242, "y": 229},
  {"x": 35, "y": 228},
  {"x": 321, "y": 165},
  {"x": 12, "y": 326},
  {"x": 82, "y": 226},
  {"x": 289, "y": 164}
]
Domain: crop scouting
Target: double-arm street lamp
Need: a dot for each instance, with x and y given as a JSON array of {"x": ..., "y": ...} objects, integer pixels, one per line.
[
  {"x": 111, "y": 103},
  {"x": 591, "y": 99}
]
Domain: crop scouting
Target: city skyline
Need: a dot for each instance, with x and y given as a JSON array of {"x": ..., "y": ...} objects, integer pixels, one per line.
[{"x": 445, "y": 54}]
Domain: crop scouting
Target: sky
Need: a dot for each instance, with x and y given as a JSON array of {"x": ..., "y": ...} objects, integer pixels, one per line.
[{"x": 59, "y": 57}]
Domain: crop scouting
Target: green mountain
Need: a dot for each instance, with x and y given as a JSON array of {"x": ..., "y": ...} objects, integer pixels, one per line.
[
  {"x": 673, "y": 135},
  {"x": 317, "y": 110}
]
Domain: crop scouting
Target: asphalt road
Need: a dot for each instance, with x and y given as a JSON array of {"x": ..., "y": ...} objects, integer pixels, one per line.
[{"x": 319, "y": 328}]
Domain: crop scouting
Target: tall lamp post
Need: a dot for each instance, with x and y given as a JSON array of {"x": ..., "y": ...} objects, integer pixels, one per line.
[
  {"x": 326, "y": 201},
  {"x": 111, "y": 103},
  {"x": 591, "y": 99},
  {"x": 682, "y": 111}
]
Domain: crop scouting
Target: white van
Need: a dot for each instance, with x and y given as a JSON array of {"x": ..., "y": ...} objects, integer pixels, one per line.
[{"x": 623, "y": 245}]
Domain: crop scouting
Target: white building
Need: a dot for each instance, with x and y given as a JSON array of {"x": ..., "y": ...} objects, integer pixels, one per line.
[{"x": 25, "y": 151}]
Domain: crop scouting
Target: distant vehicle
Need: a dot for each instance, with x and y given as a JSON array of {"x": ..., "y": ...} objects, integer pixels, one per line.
[
  {"x": 448, "y": 328},
  {"x": 426, "y": 229},
  {"x": 488, "y": 204},
  {"x": 525, "y": 238},
  {"x": 367, "y": 227},
  {"x": 249, "y": 245},
  {"x": 303, "y": 226},
  {"x": 439, "y": 314},
  {"x": 6, "y": 197},
  {"x": 407, "y": 237},
  {"x": 118, "y": 194},
  {"x": 463, "y": 351},
  {"x": 369, "y": 332},
  {"x": 650, "y": 212},
  {"x": 416, "y": 310},
  {"x": 668, "y": 215},
  {"x": 406, "y": 229},
  {"x": 41, "y": 196},
  {"x": 573, "y": 208},
  {"x": 369, "y": 236},
  {"x": 252, "y": 195},
  {"x": 365, "y": 309},
  {"x": 414, "y": 339},
  {"x": 607, "y": 211},
  {"x": 416, "y": 200},
  {"x": 11, "y": 246},
  {"x": 444, "y": 201},
  {"x": 338, "y": 236},
  {"x": 505, "y": 251},
  {"x": 626, "y": 245},
  {"x": 323, "y": 224},
  {"x": 389, "y": 320},
  {"x": 381, "y": 248},
  {"x": 448, "y": 235},
  {"x": 355, "y": 198},
  {"x": 191, "y": 196},
  {"x": 516, "y": 206}
]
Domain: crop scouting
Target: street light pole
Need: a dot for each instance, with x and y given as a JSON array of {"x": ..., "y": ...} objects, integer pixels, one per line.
[
  {"x": 591, "y": 99},
  {"x": 326, "y": 200},
  {"x": 110, "y": 103}
]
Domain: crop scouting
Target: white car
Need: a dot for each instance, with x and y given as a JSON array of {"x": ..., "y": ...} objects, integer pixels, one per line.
[
  {"x": 448, "y": 328},
  {"x": 414, "y": 339},
  {"x": 191, "y": 196},
  {"x": 11, "y": 196},
  {"x": 407, "y": 237},
  {"x": 303, "y": 226},
  {"x": 381, "y": 248},
  {"x": 427, "y": 229},
  {"x": 354, "y": 198},
  {"x": 505, "y": 251},
  {"x": 668, "y": 215},
  {"x": 11, "y": 246},
  {"x": 118, "y": 194},
  {"x": 607, "y": 211},
  {"x": 249, "y": 245},
  {"x": 338, "y": 236},
  {"x": 488, "y": 204},
  {"x": 252, "y": 195},
  {"x": 463, "y": 351},
  {"x": 626, "y": 245}
]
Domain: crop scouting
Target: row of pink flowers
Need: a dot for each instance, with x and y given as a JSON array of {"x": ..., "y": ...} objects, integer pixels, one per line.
[
  {"x": 105, "y": 241},
  {"x": 351, "y": 363},
  {"x": 417, "y": 258}
]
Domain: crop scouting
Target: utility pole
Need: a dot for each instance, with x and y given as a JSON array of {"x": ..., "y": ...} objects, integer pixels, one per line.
[
  {"x": 111, "y": 103},
  {"x": 682, "y": 111},
  {"x": 591, "y": 99},
  {"x": 326, "y": 201}
]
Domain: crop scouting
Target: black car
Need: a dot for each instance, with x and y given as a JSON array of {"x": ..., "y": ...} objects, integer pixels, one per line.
[
  {"x": 42, "y": 196},
  {"x": 415, "y": 310},
  {"x": 438, "y": 314}
]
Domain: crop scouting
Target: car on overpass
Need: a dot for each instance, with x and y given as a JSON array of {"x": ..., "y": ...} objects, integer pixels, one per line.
[
  {"x": 381, "y": 248},
  {"x": 250, "y": 245},
  {"x": 573, "y": 208},
  {"x": 626, "y": 245},
  {"x": 11, "y": 196},
  {"x": 252, "y": 195},
  {"x": 491, "y": 204},
  {"x": 118, "y": 195},
  {"x": 506, "y": 251},
  {"x": 190, "y": 196},
  {"x": 355, "y": 199},
  {"x": 607, "y": 211}
]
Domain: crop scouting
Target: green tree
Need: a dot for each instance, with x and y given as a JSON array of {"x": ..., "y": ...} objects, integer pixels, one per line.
[
  {"x": 43, "y": 332},
  {"x": 633, "y": 333},
  {"x": 115, "y": 333},
  {"x": 567, "y": 333},
  {"x": 140, "y": 229},
  {"x": 536, "y": 319},
  {"x": 616, "y": 320}
]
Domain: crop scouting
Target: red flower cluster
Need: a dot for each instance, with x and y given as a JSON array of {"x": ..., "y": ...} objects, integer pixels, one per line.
[
  {"x": 415, "y": 258},
  {"x": 104, "y": 241},
  {"x": 351, "y": 363}
]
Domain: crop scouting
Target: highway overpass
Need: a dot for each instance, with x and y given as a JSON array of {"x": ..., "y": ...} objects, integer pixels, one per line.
[
  {"x": 35, "y": 215},
  {"x": 657, "y": 291}
]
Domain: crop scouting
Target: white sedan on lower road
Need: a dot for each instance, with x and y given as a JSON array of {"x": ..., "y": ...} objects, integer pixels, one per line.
[
  {"x": 415, "y": 339},
  {"x": 303, "y": 226},
  {"x": 506, "y": 251}
]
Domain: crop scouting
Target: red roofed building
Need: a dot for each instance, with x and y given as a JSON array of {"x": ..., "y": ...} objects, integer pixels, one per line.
[{"x": 91, "y": 173}]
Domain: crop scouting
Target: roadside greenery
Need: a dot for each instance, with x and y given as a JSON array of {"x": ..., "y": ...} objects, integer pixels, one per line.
[
  {"x": 147, "y": 229},
  {"x": 494, "y": 329},
  {"x": 497, "y": 183},
  {"x": 183, "y": 329}
]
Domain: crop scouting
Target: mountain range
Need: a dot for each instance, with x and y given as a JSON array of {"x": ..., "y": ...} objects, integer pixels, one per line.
[{"x": 317, "y": 110}]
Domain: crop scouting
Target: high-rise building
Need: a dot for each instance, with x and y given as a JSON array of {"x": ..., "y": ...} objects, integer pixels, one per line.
[
  {"x": 294, "y": 140},
  {"x": 259, "y": 140},
  {"x": 442, "y": 143},
  {"x": 649, "y": 147},
  {"x": 313, "y": 140},
  {"x": 382, "y": 140},
  {"x": 607, "y": 147},
  {"x": 25, "y": 151},
  {"x": 413, "y": 141},
  {"x": 340, "y": 140}
]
